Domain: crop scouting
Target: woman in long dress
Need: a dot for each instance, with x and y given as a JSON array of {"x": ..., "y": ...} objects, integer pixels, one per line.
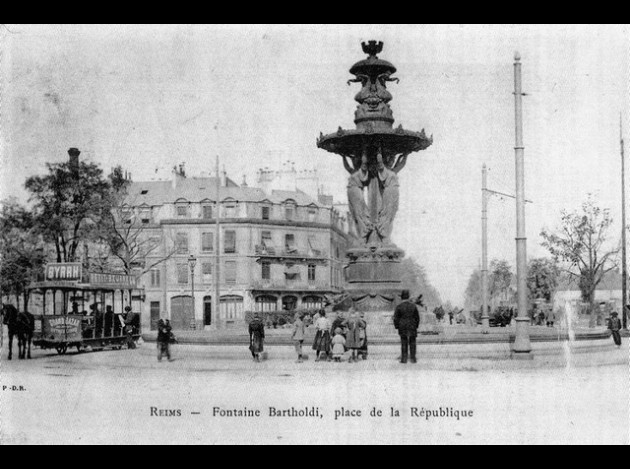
[
  {"x": 354, "y": 341},
  {"x": 256, "y": 337},
  {"x": 323, "y": 341}
]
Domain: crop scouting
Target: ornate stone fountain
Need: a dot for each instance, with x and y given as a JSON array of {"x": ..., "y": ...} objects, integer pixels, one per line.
[{"x": 374, "y": 153}]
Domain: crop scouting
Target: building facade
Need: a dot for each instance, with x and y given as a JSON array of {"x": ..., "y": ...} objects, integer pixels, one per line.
[{"x": 277, "y": 251}]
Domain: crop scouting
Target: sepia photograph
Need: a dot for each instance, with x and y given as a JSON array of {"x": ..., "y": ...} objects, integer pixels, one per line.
[{"x": 341, "y": 234}]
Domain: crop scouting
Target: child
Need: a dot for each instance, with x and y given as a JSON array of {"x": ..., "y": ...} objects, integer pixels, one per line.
[
  {"x": 339, "y": 345},
  {"x": 299, "y": 331}
]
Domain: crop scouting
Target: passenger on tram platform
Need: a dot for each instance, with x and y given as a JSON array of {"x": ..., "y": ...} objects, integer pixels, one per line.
[
  {"x": 109, "y": 321},
  {"x": 98, "y": 322},
  {"x": 117, "y": 325}
]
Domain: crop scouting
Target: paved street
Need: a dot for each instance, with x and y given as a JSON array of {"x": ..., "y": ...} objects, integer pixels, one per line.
[{"x": 75, "y": 397}]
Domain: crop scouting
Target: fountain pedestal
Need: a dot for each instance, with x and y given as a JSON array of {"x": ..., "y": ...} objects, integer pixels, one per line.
[{"x": 374, "y": 278}]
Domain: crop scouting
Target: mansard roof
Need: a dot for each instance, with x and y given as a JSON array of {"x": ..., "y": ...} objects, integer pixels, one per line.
[{"x": 196, "y": 190}]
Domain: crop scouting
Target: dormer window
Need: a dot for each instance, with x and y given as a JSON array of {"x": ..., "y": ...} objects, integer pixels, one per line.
[
  {"x": 182, "y": 211},
  {"x": 312, "y": 214},
  {"x": 145, "y": 216},
  {"x": 230, "y": 209},
  {"x": 290, "y": 210},
  {"x": 127, "y": 216}
]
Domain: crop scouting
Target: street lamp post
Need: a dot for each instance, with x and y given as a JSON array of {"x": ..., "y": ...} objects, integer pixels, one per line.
[{"x": 192, "y": 262}]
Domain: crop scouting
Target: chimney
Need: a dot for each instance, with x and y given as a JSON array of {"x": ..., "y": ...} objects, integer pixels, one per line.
[
  {"x": 244, "y": 182},
  {"x": 74, "y": 159},
  {"x": 178, "y": 175}
]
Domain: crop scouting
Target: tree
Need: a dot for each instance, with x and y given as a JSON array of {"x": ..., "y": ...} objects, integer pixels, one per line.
[
  {"x": 500, "y": 281},
  {"x": 473, "y": 292},
  {"x": 68, "y": 205},
  {"x": 22, "y": 250},
  {"x": 414, "y": 279},
  {"x": 500, "y": 285},
  {"x": 580, "y": 243},
  {"x": 543, "y": 278},
  {"x": 126, "y": 234}
]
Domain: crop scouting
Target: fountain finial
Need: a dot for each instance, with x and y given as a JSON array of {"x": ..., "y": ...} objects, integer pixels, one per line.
[{"x": 372, "y": 47}]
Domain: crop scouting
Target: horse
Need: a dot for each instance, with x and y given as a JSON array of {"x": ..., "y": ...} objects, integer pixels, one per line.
[{"x": 21, "y": 325}]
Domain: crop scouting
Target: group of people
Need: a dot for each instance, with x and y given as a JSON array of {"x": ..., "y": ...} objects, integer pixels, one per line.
[
  {"x": 540, "y": 317},
  {"x": 334, "y": 339}
]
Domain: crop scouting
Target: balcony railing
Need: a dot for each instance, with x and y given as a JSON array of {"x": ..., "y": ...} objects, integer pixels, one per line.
[
  {"x": 271, "y": 251},
  {"x": 301, "y": 285}
]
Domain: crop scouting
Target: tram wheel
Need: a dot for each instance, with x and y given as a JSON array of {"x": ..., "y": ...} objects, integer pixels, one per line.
[{"x": 62, "y": 349}]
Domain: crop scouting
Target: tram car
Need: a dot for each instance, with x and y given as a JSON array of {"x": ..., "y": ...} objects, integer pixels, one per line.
[{"x": 87, "y": 312}]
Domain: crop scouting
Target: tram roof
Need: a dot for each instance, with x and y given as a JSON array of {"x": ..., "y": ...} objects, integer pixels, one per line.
[{"x": 74, "y": 286}]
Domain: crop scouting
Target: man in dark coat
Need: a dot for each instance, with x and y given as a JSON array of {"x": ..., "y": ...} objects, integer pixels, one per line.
[
  {"x": 615, "y": 327},
  {"x": 256, "y": 337},
  {"x": 165, "y": 336},
  {"x": 407, "y": 321}
]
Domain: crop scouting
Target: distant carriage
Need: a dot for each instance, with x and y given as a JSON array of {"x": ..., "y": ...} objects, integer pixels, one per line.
[{"x": 83, "y": 312}]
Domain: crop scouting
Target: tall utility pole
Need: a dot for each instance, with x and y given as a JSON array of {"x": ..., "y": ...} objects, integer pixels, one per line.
[
  {"x": 522, "y": 345},
  {"x": 217, "y": 250},
  {"x": 624, "y": 251},
  {"x": 485, "y": 319}
]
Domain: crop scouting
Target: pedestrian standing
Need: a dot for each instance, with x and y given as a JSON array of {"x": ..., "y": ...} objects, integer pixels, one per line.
[
  {"x": 615, "y": 327},
  {"x": 165, "y": 336},
  {"x": 451, "y": 316},
  {"x": 353, "y": 334},
  {"x": 299, "y": 332},
  {"x": 323, "y": 341},
  {"x": 338, "y": 345},
  {"x": 363, "y": 351},
  {"x": 551, "y": 317},
  {"x": 256, "y": 338},
  {"x": 407, "y": 321},
  {"x": 129, "y": 327}
]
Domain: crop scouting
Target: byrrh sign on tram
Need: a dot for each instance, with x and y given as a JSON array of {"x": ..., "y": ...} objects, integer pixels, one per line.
[{"x": 71, "y": 272}]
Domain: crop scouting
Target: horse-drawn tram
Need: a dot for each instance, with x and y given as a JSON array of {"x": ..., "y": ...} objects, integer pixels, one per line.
[{"x": 86, "y": 312}]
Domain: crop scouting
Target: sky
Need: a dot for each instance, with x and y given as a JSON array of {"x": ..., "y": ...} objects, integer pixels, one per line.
[{"x": 150, "y": 97}]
